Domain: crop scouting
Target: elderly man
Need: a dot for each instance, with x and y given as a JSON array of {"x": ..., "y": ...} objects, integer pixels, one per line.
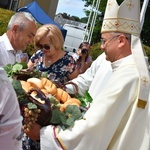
[{"x": 20, "y": 32}]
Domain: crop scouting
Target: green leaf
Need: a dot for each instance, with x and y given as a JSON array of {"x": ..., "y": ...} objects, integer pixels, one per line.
[
  {"x": 23, "y": 100},
  {"x": 88, "y": 97},
  {"x": 85, "y": 99},
  {"x": 66, "y": 119},
  {"x": 17, "y": 87},
  {"x": 8, "y": 69},
  {"x": 72, "y": 111},
  {"x": 24, "y": 65},
  {"x": 55, "y": 117},
  {"x": 17, "y": 67},
  {"x": 32, "y": 106},
  {"x": 82, "y": 99},
  {"x": 63, "y": 118},
  {"x": 70, "y": 121}
]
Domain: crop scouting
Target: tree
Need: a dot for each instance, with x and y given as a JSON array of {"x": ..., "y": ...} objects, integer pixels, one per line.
[{"x": 145, "y": 34}]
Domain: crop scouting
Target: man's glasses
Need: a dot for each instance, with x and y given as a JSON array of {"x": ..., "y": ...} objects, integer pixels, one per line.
[
  {"x": 46, "y": 47},
  {"x": 103, "y": 41}
]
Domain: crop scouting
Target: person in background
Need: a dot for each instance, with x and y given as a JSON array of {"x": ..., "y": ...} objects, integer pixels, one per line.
[
  {"x": 10, "y": 117},
  {"x": 20, "y": 32},
  {"x": 82, "y": 57},
  {"x": 50, "y": 58},
  {"x": 117, "y": 116}
]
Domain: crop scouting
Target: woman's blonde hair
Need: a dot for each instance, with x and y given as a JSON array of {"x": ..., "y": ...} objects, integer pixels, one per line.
[{"x": 53, "y": 33}]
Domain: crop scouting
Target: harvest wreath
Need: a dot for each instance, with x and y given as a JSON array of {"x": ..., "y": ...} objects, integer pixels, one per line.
[{"x": 42, "y": 101}]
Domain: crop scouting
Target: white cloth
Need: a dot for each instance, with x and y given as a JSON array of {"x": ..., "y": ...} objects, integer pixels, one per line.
[
  {"x": 146, "y": 140},
  {"x": 10, "y": 117},
  {"x": 101, "y": 70},
  {"x": 9, "y": 55},
  {"x": 3, "y": 55},
  {"x": 113, "y": 121}
]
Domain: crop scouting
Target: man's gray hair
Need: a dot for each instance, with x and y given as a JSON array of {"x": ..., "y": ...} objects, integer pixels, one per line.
[{"x": 21, "y": 19}]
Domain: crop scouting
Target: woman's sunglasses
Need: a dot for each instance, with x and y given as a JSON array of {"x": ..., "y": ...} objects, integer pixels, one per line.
[{"x": 47, "y": 47}]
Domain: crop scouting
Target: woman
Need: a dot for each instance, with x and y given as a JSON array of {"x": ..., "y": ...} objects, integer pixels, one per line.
[
  {"x": 58, "y": 64},
  {"x": 82, "y": 57}
]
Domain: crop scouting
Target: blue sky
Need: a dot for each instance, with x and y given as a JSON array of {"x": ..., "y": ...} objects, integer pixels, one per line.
[{"x": 72, "y": 7}]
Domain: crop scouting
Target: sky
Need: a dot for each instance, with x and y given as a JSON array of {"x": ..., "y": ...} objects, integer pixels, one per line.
[{"x": 72, "y": 7}]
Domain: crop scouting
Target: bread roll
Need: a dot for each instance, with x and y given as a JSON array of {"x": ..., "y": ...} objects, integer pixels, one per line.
[
  {"x": 70, "y": 101},
  {"x": 73, "y": 100},
  {"x": 35, "y": 82},
  {"x": 62, "y": 95}
]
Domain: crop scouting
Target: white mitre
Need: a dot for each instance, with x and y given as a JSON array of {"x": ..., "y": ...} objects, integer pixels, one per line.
[{"x": 126, "y": 18}]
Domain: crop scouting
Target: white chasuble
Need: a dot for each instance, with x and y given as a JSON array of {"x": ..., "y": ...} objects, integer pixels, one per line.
[{"x": 113, "y": 122}]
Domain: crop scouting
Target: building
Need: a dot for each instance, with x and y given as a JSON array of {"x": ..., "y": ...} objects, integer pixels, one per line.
[
  {"x": 49, "y": 6},
  {"x": 63, "y": 19},
  {"x": 9, "y": 4}
]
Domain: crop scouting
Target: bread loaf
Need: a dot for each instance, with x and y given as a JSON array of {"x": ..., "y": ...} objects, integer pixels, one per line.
[
  {"x": 49, "y": 86},
  {"x": 62, "y": 95},
  {"x": 25, "y": 85},
  {"x": 44, "y": 91},
  {"x": 35, "y": 82}
]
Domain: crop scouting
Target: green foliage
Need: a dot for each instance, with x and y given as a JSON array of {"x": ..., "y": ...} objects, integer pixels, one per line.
[
  {"x": 32, "y": 106},
  {"x": 30, "y": 50},
  {"x": 95, "y": 50},
  {"x": 147, "y": 51},
  {"x": 4, "y": 19},
  {"x": 145, "y": 34},
  {"x": 17, "y": 87},
  {"x": 11, "y": 70},
  {"x": 67, "y": 118},
  {"x": 85, "y": 99},
  {"x": 84, "y": 20}
]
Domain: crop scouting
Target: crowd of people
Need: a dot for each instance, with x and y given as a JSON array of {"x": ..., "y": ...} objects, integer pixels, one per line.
[
  {"x": 118, "y": 116},
  {"x": 49, "y": 58}
]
